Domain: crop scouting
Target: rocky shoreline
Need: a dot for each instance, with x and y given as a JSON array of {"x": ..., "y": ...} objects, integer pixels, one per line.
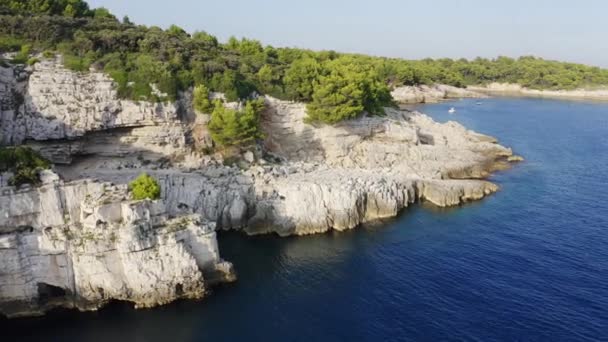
[
  {"x": 407, "y": 95},
  {"x": 508, "y": 89},
  {"x": 78, "y": 241},
  {"x": 432, "y": 93}
]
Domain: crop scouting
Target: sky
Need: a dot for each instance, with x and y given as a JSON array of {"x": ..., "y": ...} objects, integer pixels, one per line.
[{"x": 566, "y": 30}]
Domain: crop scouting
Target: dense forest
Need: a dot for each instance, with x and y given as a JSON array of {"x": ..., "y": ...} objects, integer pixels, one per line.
[{"x": 336, "y": 85}]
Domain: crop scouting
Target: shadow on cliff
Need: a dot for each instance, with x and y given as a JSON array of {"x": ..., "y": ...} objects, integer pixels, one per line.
[
  {"x": 311, "y": 142},
  {"x": 290, "y": 138},
  {"x": 81, "y": 153},
  {"x": 85, "y": 125}
]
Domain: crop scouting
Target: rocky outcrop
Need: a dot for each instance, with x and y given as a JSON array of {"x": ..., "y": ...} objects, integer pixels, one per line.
[
  {"x": 518, "y": 90},
  {"x": 432, "y": 93},
  {"x": 331, "y": 177},
  {"x": 366, "y": 169},
  {"x": 83, "y": 244},
  {"x": 65, "y": 110}
]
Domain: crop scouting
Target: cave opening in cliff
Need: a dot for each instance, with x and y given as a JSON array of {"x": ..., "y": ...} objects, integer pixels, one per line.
[
  {"x": 179, "y": 290},
  {"x": 47, "y": 292}
]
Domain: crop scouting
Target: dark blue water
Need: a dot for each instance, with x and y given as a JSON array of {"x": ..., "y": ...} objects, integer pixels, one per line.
[{"x": 529, "y": 263}]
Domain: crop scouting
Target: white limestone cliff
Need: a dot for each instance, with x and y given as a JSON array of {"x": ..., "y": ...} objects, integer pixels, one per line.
[
  {"x": 83, "y": 244},
  {"x": 331, "y": 177},
  {"x": 80, "y": 242},
  {"x": 66, "y": 111}
]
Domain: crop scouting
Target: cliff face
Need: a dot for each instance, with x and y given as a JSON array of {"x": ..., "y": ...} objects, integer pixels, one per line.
[
  {"x": 67, "y": 110},
  {"x": 368, "y": 168},
  {"x": 331, "y": 177},
  {"x": 83, "y": 243},
  {"x": 80, "y": 242}
]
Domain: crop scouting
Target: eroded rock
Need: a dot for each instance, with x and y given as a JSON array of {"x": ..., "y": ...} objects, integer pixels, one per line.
[
  {"x": 82, "y": 244},
  {"x": 432, "y": 93}
]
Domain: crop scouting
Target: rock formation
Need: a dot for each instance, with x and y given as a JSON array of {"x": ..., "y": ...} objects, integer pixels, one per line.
[
  {"x": 432, "y": 93},
  {"x": 79, "y": 241},
  {"x": 518, "y": 90},
  {"x": 83, "y": 243},
  {"x": 66, "y": 111}
]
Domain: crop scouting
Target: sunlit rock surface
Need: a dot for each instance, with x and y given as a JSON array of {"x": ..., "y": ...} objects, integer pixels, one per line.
[{"x": 79, "y": 241}]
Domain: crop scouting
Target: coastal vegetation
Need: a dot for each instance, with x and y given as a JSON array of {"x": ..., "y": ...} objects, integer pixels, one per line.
[
  {"x": 154, "y": 64},
  {"x": 145, "y": 187},
  {"x": 344, "y": 89},
  {"x": 200, "y": 99},
  {"x": 236, "y": 127},
  {"x": 24, "y": 163},
  {"x": 67, "y": 8}
]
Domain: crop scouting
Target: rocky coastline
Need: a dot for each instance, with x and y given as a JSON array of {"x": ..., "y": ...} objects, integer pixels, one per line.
[
  {"x": 432, "y": 93},
  {"x": 509, "y": 89},
  {"x": 79, "y": 241}
]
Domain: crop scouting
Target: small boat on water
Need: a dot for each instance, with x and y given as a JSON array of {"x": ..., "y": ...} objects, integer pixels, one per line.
[
  {"x": 452, "y": 110},
  {"x": 479, "y": 103}
]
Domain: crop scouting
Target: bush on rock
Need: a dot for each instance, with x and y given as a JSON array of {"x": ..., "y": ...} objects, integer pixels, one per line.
[
  {"x": 24, "y": 162},
  {"x": 145, "y": 187}
]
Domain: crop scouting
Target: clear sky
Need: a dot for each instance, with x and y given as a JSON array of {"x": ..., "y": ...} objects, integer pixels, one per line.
[{"x": 569, "y": 30}]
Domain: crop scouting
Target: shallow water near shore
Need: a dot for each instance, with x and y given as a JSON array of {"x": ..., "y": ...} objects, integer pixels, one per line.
[{"x": 528, "y": 263}]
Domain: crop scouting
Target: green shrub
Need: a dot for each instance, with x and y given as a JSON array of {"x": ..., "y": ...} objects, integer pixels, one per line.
[
  {"x": 145, "y": 187},
  {"x": 200, "y": 99},
  {"x": 32, "y": 61},
  {"x": 48, "y": 54},
  {"x": 23, "y": 56},
  {"x": 230, "y": 127},
  {"x": 76, "y": 63},
  {"x": 10, "y": 43},
  {"x": 24, "y": 162}
]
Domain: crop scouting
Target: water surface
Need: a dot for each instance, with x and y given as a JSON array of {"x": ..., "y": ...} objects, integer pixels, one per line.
[{"x": 528, "y": 263}]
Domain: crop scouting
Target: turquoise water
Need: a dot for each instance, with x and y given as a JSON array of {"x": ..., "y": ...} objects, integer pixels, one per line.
[{"x": 528, "y": 263}]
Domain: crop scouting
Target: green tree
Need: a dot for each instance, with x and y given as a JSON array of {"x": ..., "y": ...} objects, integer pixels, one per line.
[
  {"x": 69, "y": 11},
  {"x": 301, "y": 78},
  {"x": 232, "y": 84},
  {"x": 145, "y": 187},
  {"x": 103, "y": 13},
  {"x": 232, "y": 127},
  {"x": 347, "y": 89},
  {"x": 176, "y": 31},
  {"x": 200, "y": 99},
  {"x": 265, "y": 78},
  {"x": 206, "y": 39}
]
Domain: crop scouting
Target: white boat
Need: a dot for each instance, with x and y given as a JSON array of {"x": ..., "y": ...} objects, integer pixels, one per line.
[{"x": 452, "y": 110}]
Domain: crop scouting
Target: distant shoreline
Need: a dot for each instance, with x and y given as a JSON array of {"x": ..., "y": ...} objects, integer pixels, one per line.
[
  {"x": 508, "y": 89},
  {"x": 413, "y": 95}
]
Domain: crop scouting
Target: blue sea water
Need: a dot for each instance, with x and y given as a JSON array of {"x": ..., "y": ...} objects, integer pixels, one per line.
[{"x": 529, "y": 263}]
